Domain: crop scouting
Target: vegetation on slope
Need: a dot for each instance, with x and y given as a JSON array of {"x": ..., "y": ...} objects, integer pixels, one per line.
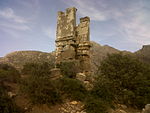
[
  {"x": 42, "y": 90},
  {"x": 19, "y": 58},
  {"x": 38, "y": 85},
  {"x": 123, "y": 79},
  {"x": 120, "y": 79},
  {"x": 6, "y": 103},
  {"x": 8, "y": 74}
]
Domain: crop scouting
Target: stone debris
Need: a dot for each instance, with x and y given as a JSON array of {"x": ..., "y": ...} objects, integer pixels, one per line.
[
  {"x": 116, "y": 111},
  {"x": 72, "y": 107},
  {"x": 122, "y": 106},
  {"x": 81, "y": 76},
  {"x": 88, "y": 85},
  {"x": 11, "y": 94},
  {"x": 146, "y": 109},
  {"x": 120, "y": 111},
  {"x": 74, "y": 102},
  {"x": 55, "y": 73}
]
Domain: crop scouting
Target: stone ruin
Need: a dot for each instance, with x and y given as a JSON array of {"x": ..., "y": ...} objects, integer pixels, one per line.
[{"x": 73, "y": 41}]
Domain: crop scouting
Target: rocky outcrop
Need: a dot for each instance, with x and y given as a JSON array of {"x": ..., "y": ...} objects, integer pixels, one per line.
[
  {"x": 121, "y": 108},
  {"x": 81, "y": 76},
  {"x": 72, "y": 107},
  {"x": 86, "y": 80},
  {"x": 11, "y": 94},
  {"x": 144, "y": 54},
  {"x": 146, "y": 109}
]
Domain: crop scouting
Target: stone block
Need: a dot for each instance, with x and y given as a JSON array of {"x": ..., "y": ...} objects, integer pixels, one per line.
[
  {"x": 146, "y": 109},
  {"x": 55, "y": 73},
  {"x": 81, "y": 76}
]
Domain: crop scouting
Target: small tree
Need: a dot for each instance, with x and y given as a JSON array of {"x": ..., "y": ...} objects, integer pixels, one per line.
[
  {"x": 8, "y": 73},
  {"x": 41, "y": 90},
  {"x": 6, "y": 104},
  {"x": 72, "y": 88},
  {"x": 128, "y": 80},
  {"x": 70, "y": 68},
  {"x": 38, "y": 85},
  {"x": 95, "y": 105},
  {"x": 37, "y": 69}
]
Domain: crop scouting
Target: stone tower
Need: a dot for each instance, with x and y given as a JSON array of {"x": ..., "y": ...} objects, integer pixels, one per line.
[{"x": 73, "y": 41}]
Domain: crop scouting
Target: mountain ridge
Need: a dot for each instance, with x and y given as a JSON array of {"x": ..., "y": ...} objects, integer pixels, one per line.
[{"x": 98, "y": 53}]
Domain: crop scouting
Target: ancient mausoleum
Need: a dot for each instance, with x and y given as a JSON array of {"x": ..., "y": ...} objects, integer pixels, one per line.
[{"x": 73, "y": 41}]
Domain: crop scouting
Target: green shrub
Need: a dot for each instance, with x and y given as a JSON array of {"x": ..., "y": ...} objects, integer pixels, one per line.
[
  {"x": 38, "y": 85},
  {"x": 41, "y": 90},
  {"x": 6, "y": 104},
  {"x": 73, "y": 88},
  {"x": 102, "y": 89},
  {"x": 128, "y": 80},
  {"x": 95, "y": 105},
  {"x": 8, "y": 73},
  {"x": 38, "y": 69},
  {"x": 69, "y": 69}
]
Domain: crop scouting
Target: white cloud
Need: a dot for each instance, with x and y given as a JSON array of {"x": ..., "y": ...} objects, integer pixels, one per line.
[
  {"x": 136, "y": 27},
  {"x": 49, "y": 32},
  {"x": 15, "y": 26},
  {"x": 8, "y": 13},
  {"x": 12, "y": 33},
  {"x": 12, "y": 21},
  {"x": 33, "y": 7},
  {"x": 86, "y": 8},
  {"x": 29, "y": 3},
  {"x": 130, "y": 16}
]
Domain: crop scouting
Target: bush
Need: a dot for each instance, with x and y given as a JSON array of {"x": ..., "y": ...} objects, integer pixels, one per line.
[
  {"x": 38, "y": 69},
  {"x": 41, "y": 90},
  {"x": 69, "y": 69},
  {"x": 38, "y": 85},
  {"x": 6, "y": 104},
  {"x": 126, "y": 78},
  {"x": 95, "y": 105},
  {"x": 8, "y": 73},
  {"x": 73, "y": 88},
  {"x": 103, "y": 89}
]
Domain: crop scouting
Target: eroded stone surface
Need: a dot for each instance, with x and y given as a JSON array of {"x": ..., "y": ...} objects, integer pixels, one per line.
[
  {"x": 73, "y": 41},
  {"x": 55, "y": 73},
  {"x": 81, "y": 76},
  {"x": 146, "y": 109},
  {"x": 72, "y": 107}
]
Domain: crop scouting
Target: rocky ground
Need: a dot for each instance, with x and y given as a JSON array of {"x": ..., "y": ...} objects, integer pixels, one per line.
[
  {"x": 68, "y": 106},
  {"x": 18, "y": 59}
]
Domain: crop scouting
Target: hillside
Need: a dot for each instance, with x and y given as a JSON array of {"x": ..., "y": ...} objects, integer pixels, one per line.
[
  {"x": 98, "y": 53},
  {"x": 144, "y": 54},
  {"x": 19, "y": 58}
]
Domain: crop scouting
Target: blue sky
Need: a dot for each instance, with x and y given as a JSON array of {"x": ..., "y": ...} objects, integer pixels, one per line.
[{"x": 31, "y": 24}]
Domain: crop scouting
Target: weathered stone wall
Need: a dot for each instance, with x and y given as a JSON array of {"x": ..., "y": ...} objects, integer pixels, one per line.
[
  {"x": 65, "y": 36},
  {"x": 83, "y": 41},
  {"x": 83, "y": 30},
  {"x": 146, "y": 47},
  {"x": 66, "y": 22},
  {"x": 73, "y": 42}
]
